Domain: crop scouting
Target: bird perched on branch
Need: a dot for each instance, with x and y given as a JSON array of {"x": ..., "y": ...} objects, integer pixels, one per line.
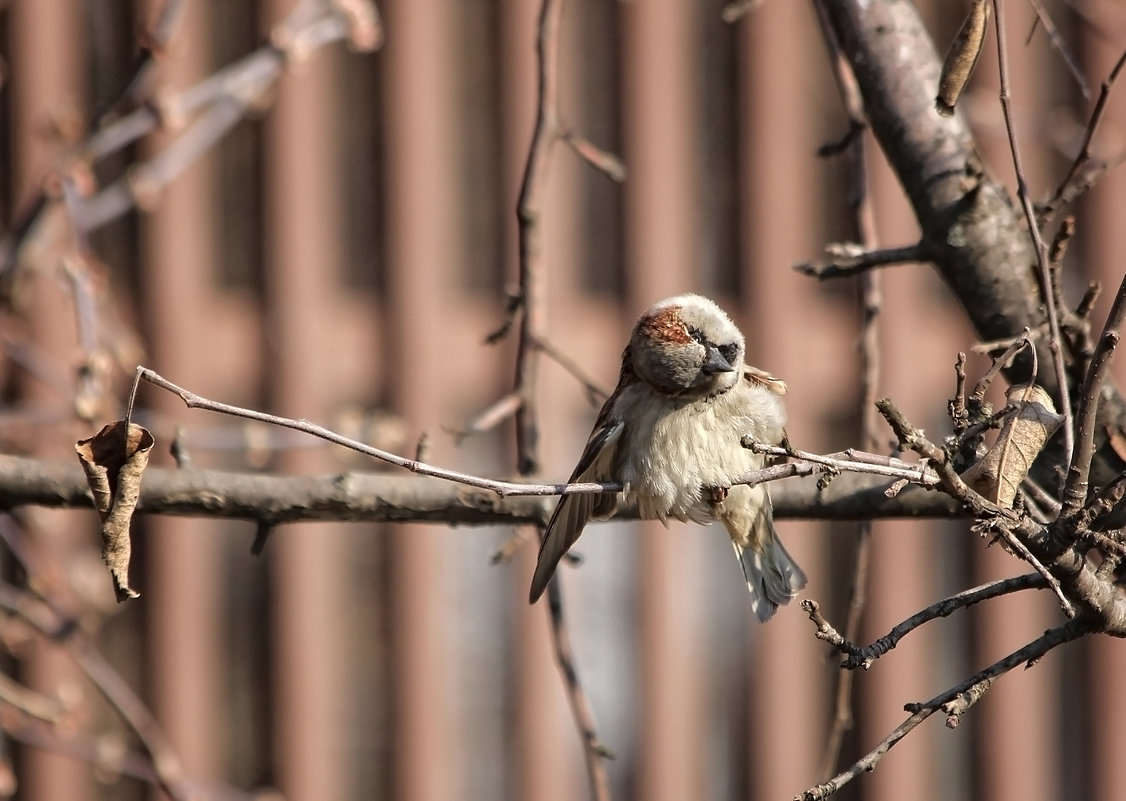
[{"x": 671, "y": 435}]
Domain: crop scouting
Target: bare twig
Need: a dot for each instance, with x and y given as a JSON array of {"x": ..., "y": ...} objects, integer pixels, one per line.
[
  {"x": 1060, "y": 46},
  {"x": 48, "y": 622},
  {"x": 954, "y": 702},
  {"x": 864, "y": 231},
  {"x": 734, "y": 10},
  {"x": 999, "y": 362},
  {"x": 602, "y": 160},
  {"x": 851, "y": 461},
  {"x": 114, "y": 762},
  {"x": 488, "y": 419},
  {"x": 502, "y": 488},
  {"x": 547, "y": 132},
  {"x": 153, "y": 42},
  {"x": 1055, "y": 345},
  {"x": 1065, "y": 192},
  {"x": 1021, "y": 550},
  {"x": 594, "y": 750},
  {"x": 863, "y": 657},
  {"x": 33, "y": 704},
  {"x": 1075, "y": 488},
  {"x": 217, "y": 103},
  {"x": 848, "y": 259},
  {"x": 596, "y": 393},
  {"x": 911, "y": 438}
]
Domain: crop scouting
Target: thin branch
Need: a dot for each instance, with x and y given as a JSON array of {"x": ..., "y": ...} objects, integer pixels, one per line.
[
  {"x": 30, "y": 703},
  {"x": 997, "y": 365},
  {"x": 529, "y": 205},
  {"x": 1078, "y": 471},
  {"x": 863, "y": 657},
  {"x": 1066, "y": 189},
  {"x": 153, "y": 42},
  {"x": 489, "y": 418},
  {"x": 604, "y": 161},
  {"x": 502, "y": 488},
  {"x": 912, "y": 438},
  {"x": 848, "y": 259},
  {"x": 864, "y": 230},
  {"x": 594, "y": 750},
  {"x": 113, "y": 762},
  {"x": 547, "y": 132},
  {"x": 220, "y": 101},
  {"x": 1061, "y": 47},
  {"x": 954, "y": 702},
  {"x": 851, "y": 460},
  {"x": 1021, "y": 550},
  {"x": 734, "y": 10},
  {"x": 596, "y": 393},
  {"x": 51, "y": 624},
  {"x": 1054, "y": 343},
  {"x": 814, "y": 462}
]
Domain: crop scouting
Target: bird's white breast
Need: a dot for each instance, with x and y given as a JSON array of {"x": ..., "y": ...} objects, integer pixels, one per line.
[{"x": 672, "y": 449}]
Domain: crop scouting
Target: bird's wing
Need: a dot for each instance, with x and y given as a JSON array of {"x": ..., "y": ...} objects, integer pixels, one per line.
[
  {"x": 574, "y": 511},
  {"x": 764, "y": 379}
]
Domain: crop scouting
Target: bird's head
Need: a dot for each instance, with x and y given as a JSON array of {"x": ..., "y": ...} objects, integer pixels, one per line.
[{"x": 686, "y": 346}]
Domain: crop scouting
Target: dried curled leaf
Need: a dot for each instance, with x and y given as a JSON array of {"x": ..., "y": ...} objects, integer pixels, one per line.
[
  {"x": 961, "y": 58},
  {"x": 114, "y": 464},
  {"x": 998, "y": 474}
]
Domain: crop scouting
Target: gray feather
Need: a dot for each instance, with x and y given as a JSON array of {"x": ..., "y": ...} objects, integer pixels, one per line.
[
  {"x": 773, "y": 577},
  {"x": 574, "y": 511}
]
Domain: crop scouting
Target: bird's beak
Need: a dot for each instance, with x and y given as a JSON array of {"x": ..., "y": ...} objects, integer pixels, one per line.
[{"x": 715, "y": 363}]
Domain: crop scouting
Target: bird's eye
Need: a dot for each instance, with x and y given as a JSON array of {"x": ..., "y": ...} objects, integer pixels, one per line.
[
  {"x": 697, "y": 335},
  {"x": 729, "y": 351}
]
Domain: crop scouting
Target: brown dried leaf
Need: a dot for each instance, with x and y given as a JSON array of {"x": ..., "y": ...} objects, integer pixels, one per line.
[
  {"x": 961, "y": 58},
  {"x": 114, "y": 464},
  {"x": 998, "y": 474}
]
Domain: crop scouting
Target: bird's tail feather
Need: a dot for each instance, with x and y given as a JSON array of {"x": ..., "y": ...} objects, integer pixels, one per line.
[{"x": 773, "y": 577}]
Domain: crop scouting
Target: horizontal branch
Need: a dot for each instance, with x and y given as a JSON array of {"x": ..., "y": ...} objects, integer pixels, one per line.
[
  {"x": 848, "y": 259},
  {"x": 380, "y": 497}
]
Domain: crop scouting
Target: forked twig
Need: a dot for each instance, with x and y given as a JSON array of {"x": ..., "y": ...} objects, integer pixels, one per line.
[
  {"x": 863, "y": 657},
  {"x": 954, "y": 702}
]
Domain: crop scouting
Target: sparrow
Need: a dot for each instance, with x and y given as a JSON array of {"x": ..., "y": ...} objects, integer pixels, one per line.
[{"x": 671, "y": 435}]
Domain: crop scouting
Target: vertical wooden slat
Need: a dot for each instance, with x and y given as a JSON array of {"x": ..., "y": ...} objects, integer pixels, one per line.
[
  {"x": 302, "y": 251},
  {"x": 549, "y": 763},
  {"x": 422, "y": 252},
  {"x": 779, "y": 183},
  {"x": 45, "y": 72},
  {"x": 1016, "y": 742},
  {"x": 902, "y": 575},
  {"x": 1102, "y": 238},
  {"x": 184, "y": 592},
  {"x": 659, "y": 103}
]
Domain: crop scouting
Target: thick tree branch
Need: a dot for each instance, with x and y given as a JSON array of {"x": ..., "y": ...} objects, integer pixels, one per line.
[{"x": 380, "y": 497}]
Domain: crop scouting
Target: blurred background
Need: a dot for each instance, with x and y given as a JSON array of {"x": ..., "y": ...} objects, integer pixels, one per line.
[{"x": 342, "y": 254}]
